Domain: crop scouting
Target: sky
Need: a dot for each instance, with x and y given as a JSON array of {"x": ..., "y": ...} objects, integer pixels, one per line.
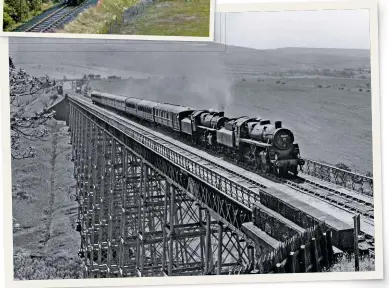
[{"x": 316, "y": 29}]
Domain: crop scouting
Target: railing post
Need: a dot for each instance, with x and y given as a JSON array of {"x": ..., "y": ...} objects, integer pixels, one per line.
[
  {"x": 208, "y": 247},
  {"x": 171, "y": 235},
  {"x": 324, "y": 252},
  {"x": 291, "y": 268},
  {"x": 220, "y": 248},
  {"x": 202, "y": 240},
  {"x": 357, "y": 223},
  {"x": 314, "y": 256},
  {"x": 251, "y": 256},
  {"x": 330, "y": 251},
  {"x": 164, "y": 226},
  {"x": 303, "y": 261}
]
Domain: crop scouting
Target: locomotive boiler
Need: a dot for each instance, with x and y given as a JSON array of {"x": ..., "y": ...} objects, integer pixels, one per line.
[{"x": 205, "y": 125}]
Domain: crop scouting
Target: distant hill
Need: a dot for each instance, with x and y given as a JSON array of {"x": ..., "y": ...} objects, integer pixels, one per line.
[
  {"x": 143, "y": 58},
  {"x": 241, "y": 60}
]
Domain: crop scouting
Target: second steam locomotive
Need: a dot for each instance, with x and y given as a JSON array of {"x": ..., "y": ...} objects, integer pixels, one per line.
[{"x": 256, "y": 142}]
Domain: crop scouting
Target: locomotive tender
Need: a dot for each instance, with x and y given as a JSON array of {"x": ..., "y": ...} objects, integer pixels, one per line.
[{"x": 256, "y": 142}]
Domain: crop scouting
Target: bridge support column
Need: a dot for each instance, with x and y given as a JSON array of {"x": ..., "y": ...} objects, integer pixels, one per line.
[
  {"x": 208, "y": 244},
  {"x": 141, "y": 216},
  {"x": 220, "y": 249},
  {"x": 202, "y": 238}
]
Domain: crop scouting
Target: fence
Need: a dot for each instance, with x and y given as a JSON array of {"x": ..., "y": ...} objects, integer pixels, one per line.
[
  {"x": 356, "y": 182},
  {"x": 128, "y": 14},
  {"x": 310, "y": 251}
]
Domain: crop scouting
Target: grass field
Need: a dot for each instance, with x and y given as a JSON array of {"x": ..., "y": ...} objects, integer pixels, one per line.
[
  {"x": 347, "y": 264},
  {"x": 95, "y": 20},
  {"x": 172, "y": 18},
  {"x": 164, "y": 18}
]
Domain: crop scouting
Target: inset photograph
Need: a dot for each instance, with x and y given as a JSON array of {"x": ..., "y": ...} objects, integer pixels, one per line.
[{"x": 189, "y": 18}]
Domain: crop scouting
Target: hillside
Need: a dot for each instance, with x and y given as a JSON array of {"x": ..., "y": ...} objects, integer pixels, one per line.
[{"x": 323, "y": 95}]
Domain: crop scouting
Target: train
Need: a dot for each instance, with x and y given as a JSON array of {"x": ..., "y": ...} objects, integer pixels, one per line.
[
  {"x": 73, "y": 2},
  {"x": 257, "y": 142}
]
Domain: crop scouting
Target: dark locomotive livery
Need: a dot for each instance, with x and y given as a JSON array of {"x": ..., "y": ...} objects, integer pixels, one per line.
[
  {"x": 256, "y": 142},
  {"x": 73, "y": 2}
]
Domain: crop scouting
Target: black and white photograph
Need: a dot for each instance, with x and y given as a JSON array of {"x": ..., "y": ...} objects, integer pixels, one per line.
[{"x": 244, "y": 157}]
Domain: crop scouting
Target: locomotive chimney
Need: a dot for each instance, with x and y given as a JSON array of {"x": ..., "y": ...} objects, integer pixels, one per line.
[
  {"x": 221, "y": 114},
  {"x": 278, "y": 124}
]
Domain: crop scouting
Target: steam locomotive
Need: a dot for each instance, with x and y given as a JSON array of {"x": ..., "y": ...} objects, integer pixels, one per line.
[
  {"x": 254, "y": 141},
  {"x": 73, "y": 2}
]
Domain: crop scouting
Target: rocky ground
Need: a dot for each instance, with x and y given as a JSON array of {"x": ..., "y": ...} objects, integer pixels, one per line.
[{"x": 45, "y": 241}]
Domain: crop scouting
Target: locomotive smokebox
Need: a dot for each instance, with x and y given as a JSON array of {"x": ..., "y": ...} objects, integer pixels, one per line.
[{"x": 278, "y": 124}]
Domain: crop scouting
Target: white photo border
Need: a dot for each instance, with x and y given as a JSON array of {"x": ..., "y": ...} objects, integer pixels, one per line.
[{"x": 372, "y": 5}]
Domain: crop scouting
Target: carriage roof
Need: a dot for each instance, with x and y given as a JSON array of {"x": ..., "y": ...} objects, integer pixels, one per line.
[
  {"x": 133, "y": 100},
  {"x": 107, "y": 95},
  {"x": 177, "y": 109},
  {"x": 120, "y": 98},
  {"x": 146, "y": 103}
]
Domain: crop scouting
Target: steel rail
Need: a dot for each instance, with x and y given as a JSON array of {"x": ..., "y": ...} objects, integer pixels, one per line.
[
  {"x": 50, "y": 24},
  {"x": 46, "y": 18},
  {"x": 168, "y": 153},
  {"x": 340, "y": 199}
]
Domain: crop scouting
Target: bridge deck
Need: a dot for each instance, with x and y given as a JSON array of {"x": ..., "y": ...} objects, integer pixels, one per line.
[{"x": 340, "y": 216}]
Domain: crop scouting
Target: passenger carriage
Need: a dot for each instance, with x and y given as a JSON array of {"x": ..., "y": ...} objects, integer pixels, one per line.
[
  {"x": 171, "y": 115},
  {"x": 96, "y": 97},
  {"x": 120, "y": 103},
  {"x": 131, "y": 106},
  {"x": 104, "y": 99},
  {"x": 145, "y": 110}
]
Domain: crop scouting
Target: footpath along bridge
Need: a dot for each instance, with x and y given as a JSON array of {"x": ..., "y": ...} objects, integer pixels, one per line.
[{"x": 152, "y": 206}]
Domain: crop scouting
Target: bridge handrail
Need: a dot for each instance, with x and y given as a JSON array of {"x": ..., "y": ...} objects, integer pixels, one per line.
[
  {"x": 236, "y": 192},
  {"x": 357, "y": 182}
]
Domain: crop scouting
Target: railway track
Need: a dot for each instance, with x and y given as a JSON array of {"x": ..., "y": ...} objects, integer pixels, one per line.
[
  {"x": 56, "y": 18},
  {"x": 341, "y": 198},
  {"x": 38, "y": 18}
]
